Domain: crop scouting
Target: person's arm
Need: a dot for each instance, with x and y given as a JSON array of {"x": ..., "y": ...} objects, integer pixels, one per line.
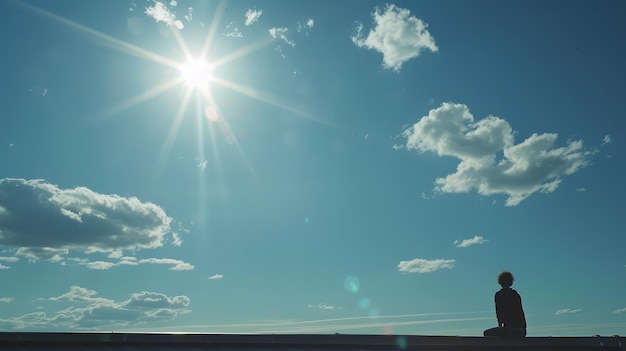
[{"x": 498, "y": 312}]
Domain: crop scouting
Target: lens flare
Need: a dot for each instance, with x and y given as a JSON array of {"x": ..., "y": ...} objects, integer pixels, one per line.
[{"x": 351, "y": 284}]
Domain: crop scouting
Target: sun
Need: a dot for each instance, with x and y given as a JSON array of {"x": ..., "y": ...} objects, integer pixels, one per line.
[{"x": 196, "y": 73}]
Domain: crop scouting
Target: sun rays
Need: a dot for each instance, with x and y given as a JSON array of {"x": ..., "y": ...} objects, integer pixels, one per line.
[{"x": 196, "y": 76}]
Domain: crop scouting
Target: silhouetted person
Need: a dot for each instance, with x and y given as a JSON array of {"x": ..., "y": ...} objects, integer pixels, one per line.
[{"x": 511, "y": 319}]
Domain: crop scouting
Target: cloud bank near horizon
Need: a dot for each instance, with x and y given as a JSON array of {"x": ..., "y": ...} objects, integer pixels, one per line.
[{"x": 79, "y": 220}]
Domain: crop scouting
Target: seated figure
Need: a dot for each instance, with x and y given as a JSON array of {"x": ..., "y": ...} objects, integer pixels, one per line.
[{"x": 509, "y": 311}]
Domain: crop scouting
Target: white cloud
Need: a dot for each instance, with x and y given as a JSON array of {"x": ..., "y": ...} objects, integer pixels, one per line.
[
  {"x": 116, "y": 254},
  {"x": 469, "y": 242},
  {"x": 216, "y": 276},
  {"x": 280, "y": 33},
  {"x": 397, "y": 35},
  {"x": 81, "y": 220},
  {"x": 310, "y": 23},
  {"x": 321, "y": 306},
  {"x": 6, "y": 299},
  {"x": 177, "y": 265},
  {"x": 621, "y": 310},
  {"x": 252, "y": 16},
  {"x": 568, "y": 311},
  {"x": 9, "y": 259},
  {"x": 232, "y": 31},
  {"x": 420, "y": 265},
  {"x": 607, "y": 139},
  {"x": 88, "y": 311},
  {"x": 100, "y": 265},
  {"x": 161, "y": 13},
  {"x": 491, "y": 162},
  {"x": 4, "y": 267}
]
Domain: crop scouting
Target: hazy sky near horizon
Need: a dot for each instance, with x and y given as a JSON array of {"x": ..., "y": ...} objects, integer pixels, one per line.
[{"x": 287, "y": 167}]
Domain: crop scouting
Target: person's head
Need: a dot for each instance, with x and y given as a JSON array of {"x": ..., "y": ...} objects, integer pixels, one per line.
[{"x": 505, "y": 279}]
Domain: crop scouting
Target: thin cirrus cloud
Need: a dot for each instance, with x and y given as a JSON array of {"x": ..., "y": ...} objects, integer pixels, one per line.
[
  {"x": 420, "y": 265},
  {"x": 160, "y": 13},
  {"x": 490, "y": 161},
  {"x": 252, "y": 16},
  {"x": 175, "y": 265},
  {"x": 568, "y": 311},
  {"x": 397, "y": 34},
  {"x": 83, "y": 221},
  {"x": 476, "y": 240},
  {"x": 89, "y": 311}
]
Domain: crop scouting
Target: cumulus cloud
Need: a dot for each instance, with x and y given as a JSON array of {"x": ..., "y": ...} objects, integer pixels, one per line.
[
  {"x": 397, "y": 34},
  {"x": 490, "y": 161},
  {"x": 469, "y": 242},
  {"x": 216, "y": 276},
  {"x": 280, "y": 33},
  {"x": 420, "y": 265},
  {"x": 6, "y": 299},
  {"x": 621, "y": 310},
  {"x": 252, "y": 16},
  {"x": 161, "y": 13},
  {"x": 89, "y": 311},
  {"x": 77, "y": 219},
  {"x": 568, "y": 311}
]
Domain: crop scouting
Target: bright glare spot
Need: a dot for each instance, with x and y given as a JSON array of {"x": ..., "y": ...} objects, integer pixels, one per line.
[
  {"x": 211, "y": 114},
  {"x": 196, "y": 73}
]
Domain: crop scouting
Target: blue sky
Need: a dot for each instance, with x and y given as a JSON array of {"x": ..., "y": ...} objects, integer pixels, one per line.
[{"x": 283, "y": 167}]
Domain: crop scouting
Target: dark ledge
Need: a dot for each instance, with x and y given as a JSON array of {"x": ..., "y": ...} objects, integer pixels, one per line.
[{"x": 293, "y": 342}]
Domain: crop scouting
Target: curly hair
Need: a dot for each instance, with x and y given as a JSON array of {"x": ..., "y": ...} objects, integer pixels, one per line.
[{"x": 505, "y": 279}]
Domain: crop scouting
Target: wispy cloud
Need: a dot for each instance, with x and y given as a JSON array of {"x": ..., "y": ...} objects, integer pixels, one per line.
[
  {"x": 469, "y": 242},
  {"x": 607, "y": 140},
  {"x": 346, "y": 324},
  {"x": 160, "y": 12},
  {"x": 252, "y": 16},
  {"x": 568, "y": 311},
  {"x": 232, "y": 31},
  {"x": 89, "y": 311},
  {"x": 281, "y": 33},
  {"x": 321, "y": 306},
  {"x": 6, "y": 299},
  {"x": 621, "y": 310},
  {"x": 490, "y": 161},
  {"x": 177, "y": 265},
  {"x": 216, "y": 276},
  {"x": 82, "y": 220},
  {"x": 310, "y": 23},
  {"x": 420, "y": 265},
  {"x": 397, "y": 34}
]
